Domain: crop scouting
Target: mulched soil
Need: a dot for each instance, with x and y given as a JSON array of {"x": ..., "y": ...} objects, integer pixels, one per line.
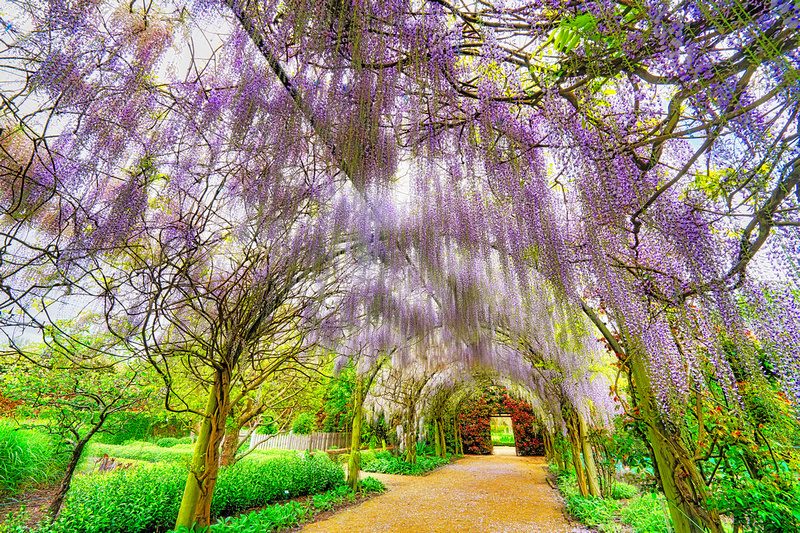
[{"x": 35, "y": 501}]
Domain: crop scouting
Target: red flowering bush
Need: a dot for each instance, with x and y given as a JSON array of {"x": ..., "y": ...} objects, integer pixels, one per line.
[{"x": 476, "y": 427}]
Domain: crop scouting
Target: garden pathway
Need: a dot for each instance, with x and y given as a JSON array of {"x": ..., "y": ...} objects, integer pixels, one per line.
[{"x": 480, "y": 494}]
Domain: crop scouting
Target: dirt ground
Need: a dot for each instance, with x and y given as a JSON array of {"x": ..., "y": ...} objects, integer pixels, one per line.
[{"x": 500, "y": 493}]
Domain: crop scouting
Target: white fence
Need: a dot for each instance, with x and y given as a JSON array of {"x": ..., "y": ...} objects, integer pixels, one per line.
[{"x": 292, "y": 441}]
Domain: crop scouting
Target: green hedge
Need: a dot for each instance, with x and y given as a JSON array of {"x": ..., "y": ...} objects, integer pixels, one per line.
[
  {"x": 147, "y": 498},
  {"x": 280, "y": 516},
  {"x": 255, "y": 482}
]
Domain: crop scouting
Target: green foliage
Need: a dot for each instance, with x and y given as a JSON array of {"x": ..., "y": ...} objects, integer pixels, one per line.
[
  {"x": 370, "y": 484},
  {"x": 269, "y": 428},
  {"x": 166, "y": 442},
  {"x": 326, "y": 501},
  {"x": 144, "y": 451},
  {"x": 135, "y": 500},
  {"x": 594, "y": 512},
  {"x": 385, "y": 463},
  {"x": 765, "y": 504},
  {"x": 273, "y": 518},
  {"x": 338, "y": 401},
  {"x": 147, "y": 498},
  {"x": 504, "y": 439},
  {"x": 256, "y": 482},
  {"x": 647, "y": 514},
  {"x": 26, "y": 457},
  {"x": 304, "y": 424},
  {"x": 623, "y": 491},
  {"x": 289, "y": 515},
  {"x": 132, "y": 426}
]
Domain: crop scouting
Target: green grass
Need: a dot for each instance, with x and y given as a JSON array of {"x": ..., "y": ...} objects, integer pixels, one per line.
[
  {"x": 178, "y": 453},
  {"x": 503, "y": 439},
  {"x": 26, "y": 458}
]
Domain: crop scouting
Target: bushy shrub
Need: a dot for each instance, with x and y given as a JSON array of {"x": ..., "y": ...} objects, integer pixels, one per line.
[
  {"x": 166, "y": 442},
  {"x": 280, "y": 516},
  {"x": 304, "y": 424},
  {"x": 140, "y": 499},
  {"x": 594, "y": 511},
  {"x": 26, "y": 456},
  {"x": 386, "y": 463},
  {"x": 249, "y": 483},
  {"x": 370, "y": 484},
  {"x": 147, "y": 498}
]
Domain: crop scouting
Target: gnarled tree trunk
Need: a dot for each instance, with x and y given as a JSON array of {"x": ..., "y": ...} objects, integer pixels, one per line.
[
  {"x": 195, "y": 506},
  {"x": 588, "y": 458},
  {"x": 683, "y": 485},
  {"x": 354, "y": 462}
]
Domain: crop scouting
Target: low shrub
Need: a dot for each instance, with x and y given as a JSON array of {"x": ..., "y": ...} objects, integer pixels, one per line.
[
  {"x": 290, "y": 514},
  {"x": 594, "y": 511},
  {"x": 647, "y": 514},
  {"x": 328, "y": 500},
  {"x": 26, "y": 457},
  {"x": 370, "y": 484},
  {"x": 167, "y": 442},
  {"x": 250, "y": 483},
  {"x": 386, "y": 463},
  {"x": 275, "y": 517},
  {"x": 147, "y": 498},
  {"x": 622, "y": 491}
]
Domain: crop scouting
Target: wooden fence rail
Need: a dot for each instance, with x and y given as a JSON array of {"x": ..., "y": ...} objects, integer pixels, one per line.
[{"x": 292, "y": 441}]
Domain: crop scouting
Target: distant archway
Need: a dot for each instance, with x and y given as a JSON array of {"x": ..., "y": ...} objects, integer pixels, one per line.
[{"x": 475, "y": 422}]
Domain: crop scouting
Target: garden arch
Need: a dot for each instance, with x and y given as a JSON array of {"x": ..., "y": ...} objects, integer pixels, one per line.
[{"x": 474, "y": 422}]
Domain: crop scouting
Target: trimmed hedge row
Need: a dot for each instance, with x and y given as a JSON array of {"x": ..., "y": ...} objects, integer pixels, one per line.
[{"x": 147, "y": 498}]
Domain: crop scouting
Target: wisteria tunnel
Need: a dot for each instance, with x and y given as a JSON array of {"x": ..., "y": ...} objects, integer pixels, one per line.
[{"x": 229, "y": 220}]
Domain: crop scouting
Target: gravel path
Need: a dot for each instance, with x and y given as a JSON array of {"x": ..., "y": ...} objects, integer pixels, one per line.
[{"x": 481, "y": 494}]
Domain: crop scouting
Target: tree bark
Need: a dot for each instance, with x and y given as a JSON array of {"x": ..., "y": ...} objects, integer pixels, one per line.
[
  {"x": 681, "y": 481},
  {"x": 66, "y": 481},
  {"x": 588, "y": 458},
  {"x": 195, "y": 506},
  {"x": 229, "y": 446},
  {"x": 437, "y": 437},
  {"x": 573, "y": 434},
  {"x": 442, "y": 439},
  {"x": 354, "y": 462},
  {"x": 411, "y": 434}
]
